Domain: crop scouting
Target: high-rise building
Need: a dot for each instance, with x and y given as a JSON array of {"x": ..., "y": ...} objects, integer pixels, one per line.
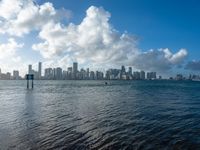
[
  {"x": 82, "y": 74},
  {"x": 48, "y": 73},
  {"x": 123, "y": 73},
  {"x": 88, "y": 73},
  {"x": 75, "y": 70},
  {"x": 179, "y": 77},
  {"x": 123, "y": 70},
  {"x": 69, "y": 70},
  {"x": 136, "y": 75},
  {"x": 130, "y": 71},
  {"x": 30, "y": 70},
  {"x": 151, "y": 75},
  {"x": 142, "y": 75},
  {"x": 65, "y": 75},
  {"x": 99, "y": 75},
  {"x": 15, "y": 74},
  {"x": 154, "y": 75},
  {"x": 8, "y": 75},
  {"x": 54, "y": 73},
  {"x": 58, "y": 73},
  {"x": 39, "y": 70},
  {"x": 92, "y": 75}
]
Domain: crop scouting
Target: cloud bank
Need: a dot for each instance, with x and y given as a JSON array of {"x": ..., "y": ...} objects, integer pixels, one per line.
[
  {"x": 8, "y": 55},
  {"x": 93, "y": 41},
  {"x": 20, "y": 17},
  {"x": 193, "y": 65}
]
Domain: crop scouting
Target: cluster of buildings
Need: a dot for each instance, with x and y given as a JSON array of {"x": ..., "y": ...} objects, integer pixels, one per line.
[
  {"x": 9, "y": 76},
  {"x": 37, "y": 74},
  {"x": 73, "y": 73},
  {"x": 191, "y": 77},
  {"x": 122, "y": 74}
]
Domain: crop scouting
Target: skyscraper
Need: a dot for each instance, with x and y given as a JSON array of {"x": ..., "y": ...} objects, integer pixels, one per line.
[
  {"x": 151, "y": 75},
  {"x": 88, "y": 73},
  {"x": 58, "y": 73},
  {"x": 39, "y": 70},
  {"x": 48, "y": 73},
  {"x": 130, "y": 71},
  {"x": 136, "y": 75},
  {"x": 69, "y": 70},
  {"x": 75, "y": 70},
  {"x": 142, "y": 75},
  {"x": 30, "y": 71},
  {"x": 123, "y": 70},
  {"x": 15, "y": 75}
]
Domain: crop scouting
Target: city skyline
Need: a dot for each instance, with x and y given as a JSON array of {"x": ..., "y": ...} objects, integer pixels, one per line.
[
  {"x": 57, "y": 33},
  {"x": 74, "y": 73}
]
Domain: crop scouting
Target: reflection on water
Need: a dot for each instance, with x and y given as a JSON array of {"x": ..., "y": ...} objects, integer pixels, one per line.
[{"x": 92, "y": 115}]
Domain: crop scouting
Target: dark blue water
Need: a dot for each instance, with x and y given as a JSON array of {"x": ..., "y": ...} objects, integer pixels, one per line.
[{"x": 91, "y": 115}]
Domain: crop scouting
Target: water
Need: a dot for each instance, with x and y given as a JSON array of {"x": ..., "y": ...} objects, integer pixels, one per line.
[{"x": 92, "y": 115}]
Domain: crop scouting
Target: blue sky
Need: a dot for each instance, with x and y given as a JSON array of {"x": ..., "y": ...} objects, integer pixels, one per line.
[
  {"x": 154, "y": 35},
  {"x": 168, "y": 23}
]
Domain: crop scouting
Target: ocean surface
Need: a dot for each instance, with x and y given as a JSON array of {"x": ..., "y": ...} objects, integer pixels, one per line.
[{"x": 92, "y": 115}]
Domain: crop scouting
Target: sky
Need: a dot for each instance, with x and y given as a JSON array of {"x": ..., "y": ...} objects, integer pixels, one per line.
[{"x": 161, "y": 36}]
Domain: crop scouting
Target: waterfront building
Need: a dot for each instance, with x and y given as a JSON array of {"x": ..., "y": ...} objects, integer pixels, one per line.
[
  {"x": 99, "y": 75},
  {"x": 92, "y": 75},
  {"x": 130, "y": 71},
  {"x": 136, "y": 75},
  {"x": 69, "y": 71},
  {"x": 123, "y": 72},
  {"x": 6, "y": 76},
  {"x": 64, "y": 75},
  {"x": 39, "y": 70},
  {"x": 48, "y": 73},
  {"x": 58, "y": 73},
  {"x": 142, "y": 75},
  {"x": 16, "y": 75},
  {"x": 151, "y": 75},
  {"x": 88, "y": 73},
  {"x": 123, "y": 69},
  {"x": 179, "y": 77},
  {"x": 113, "y": 74},
  {"x": 30, "y": 70},
  {"x": 75, "y": 70}
]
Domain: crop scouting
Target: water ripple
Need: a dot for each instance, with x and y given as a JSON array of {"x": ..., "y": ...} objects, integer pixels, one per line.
[{"x": 90, "y": 115}]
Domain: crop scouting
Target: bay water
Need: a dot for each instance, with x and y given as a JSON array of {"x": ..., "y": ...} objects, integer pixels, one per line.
[{"x": 92, "y": 115}]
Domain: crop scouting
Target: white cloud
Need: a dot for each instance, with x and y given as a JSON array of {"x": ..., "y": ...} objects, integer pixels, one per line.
[
  {"x": 8, "y": 50},
  {"x": 9, "y": 57},
  {"x": 177, "y": 57},
  {"x": 95, "y": 41},
  {"x": 9, "y": 8},
  {"x": 19, "y": 17},
  {"x": 193, "y": 65},
  {"x": 159, "y": 60}
]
